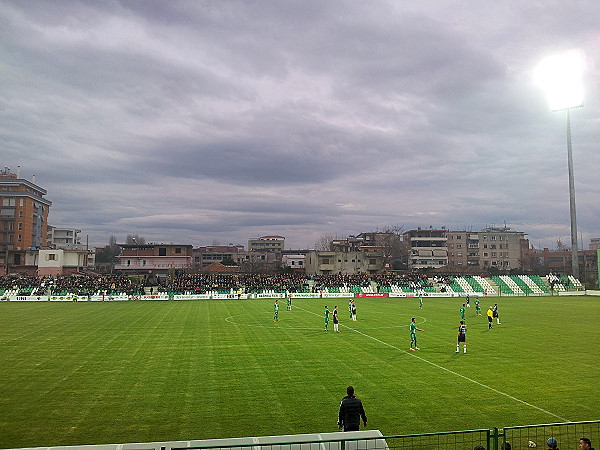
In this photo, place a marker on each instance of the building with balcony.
(210, 254)
(493, 247)
(427, 248)
(23, 217)
(266, 243)
(155, 259)
(334, 263)
(58, 237)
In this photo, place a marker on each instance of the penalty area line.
(523, 402)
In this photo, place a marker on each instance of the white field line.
(450, 371)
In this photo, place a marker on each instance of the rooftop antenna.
(18, 171)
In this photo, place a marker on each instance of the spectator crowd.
(187, 283)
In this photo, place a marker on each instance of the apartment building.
(23, 218)
(23, 213)
(155, 259)
(427, 248)
(266, 243)
(58, 237)
(493, 247)
(334, 263)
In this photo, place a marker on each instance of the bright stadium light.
(561, 77)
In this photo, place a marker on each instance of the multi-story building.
(23, 213)
(545, 261)
(266, 243)
(23, 218)
(155, 259)
(595, 244)
(387, 242)
(475, 251)
(334, 263)
(428, 248)
(210, 254)
(63, 237)
(294, 259)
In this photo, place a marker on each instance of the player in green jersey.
(276, 311)
(326, 313)
(413, 334)
(463, 310)
(289, 303)
(477, 307)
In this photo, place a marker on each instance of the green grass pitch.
(92, 373)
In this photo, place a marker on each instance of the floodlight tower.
(560, 76)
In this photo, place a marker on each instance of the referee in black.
(351, 411)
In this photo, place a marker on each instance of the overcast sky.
(198, 122)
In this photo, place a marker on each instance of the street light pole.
(574, 248)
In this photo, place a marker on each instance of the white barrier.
(352, 440)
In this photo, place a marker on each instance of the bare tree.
(560, 245)
(134, 239)
(324, 243)
(390, 238)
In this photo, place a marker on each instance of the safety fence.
(566, 436)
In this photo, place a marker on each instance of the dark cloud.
(200, 121)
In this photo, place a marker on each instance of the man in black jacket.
(351, 411)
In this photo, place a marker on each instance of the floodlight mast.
(561, 78)
(574, 247)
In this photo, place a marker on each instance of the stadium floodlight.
(561, 77)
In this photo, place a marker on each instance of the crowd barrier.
(566, 434)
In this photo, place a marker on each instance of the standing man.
(413, 335)
(420, 299)
(336, 320)
(462, 337)
(468, 299)
(351, 411)
(495, 313)
(289, 303)
(326, 313)
(477, 307)
(463, 310)
(350, 308)
(490, 319)
(585, 444)
(276, 311)
(353, 310)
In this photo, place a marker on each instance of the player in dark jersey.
(336, 320)
(495, 313)
(462, 337)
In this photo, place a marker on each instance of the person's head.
(506, 446)
(463, 304)
(461, 322)
(413, 320)
(479, 447)
(335, 307)
(350, 391)
(552, 443)
(585, 443)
